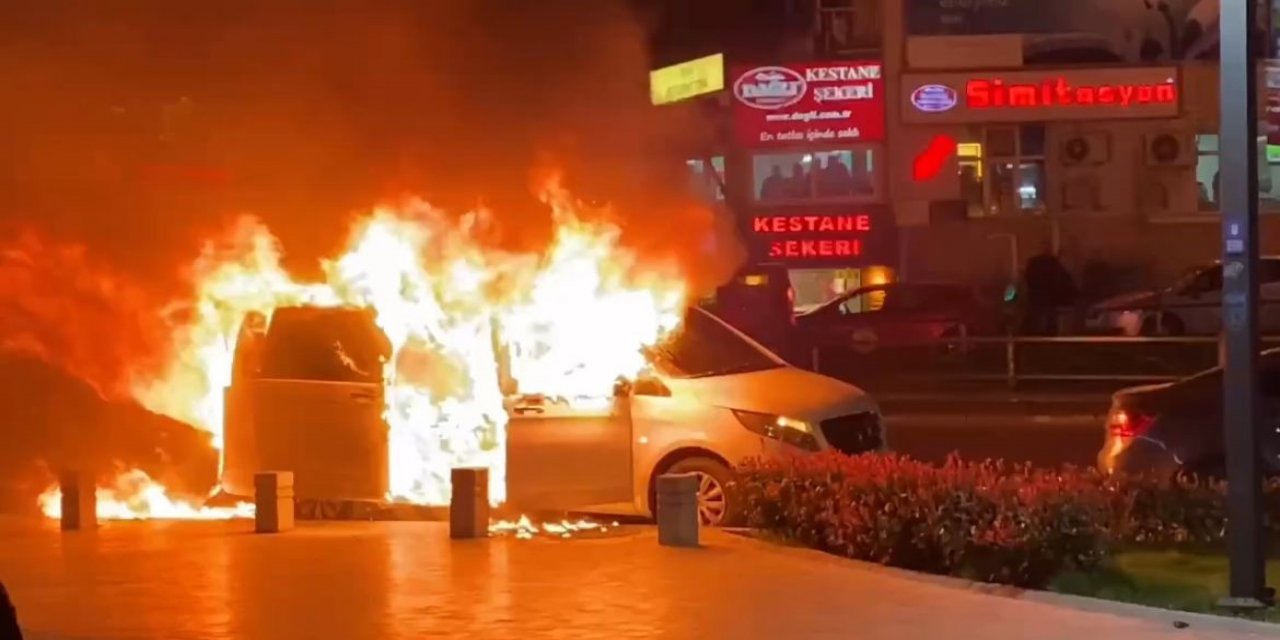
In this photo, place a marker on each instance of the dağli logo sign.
(934, 98)
(770, 88)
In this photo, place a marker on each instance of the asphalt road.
(1041, 441)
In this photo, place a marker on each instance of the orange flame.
(572, 321)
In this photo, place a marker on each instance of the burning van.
(308, 395)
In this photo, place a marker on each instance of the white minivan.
(713, 399)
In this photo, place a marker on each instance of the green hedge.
(985, 521)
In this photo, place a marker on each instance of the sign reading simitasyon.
(1029, 96)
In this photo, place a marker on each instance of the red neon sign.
(930, 162)
(1058, 92)
(813, 236)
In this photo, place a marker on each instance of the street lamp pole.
(1238, 158)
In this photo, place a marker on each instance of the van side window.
(704, 347)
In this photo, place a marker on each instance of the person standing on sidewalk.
(1049, 288)
(9, 629)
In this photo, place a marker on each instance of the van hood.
(786, 391)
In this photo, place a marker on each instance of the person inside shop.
(798, 185)
(861, 183)
(1049, 287)
(774, 186)
(834, 177)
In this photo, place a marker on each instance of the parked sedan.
(900, 314)
(1177, 427)
(1191, 306)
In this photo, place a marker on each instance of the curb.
(1197, 621)
(963, 421)
(994, 399)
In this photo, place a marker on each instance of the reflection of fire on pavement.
(525, 529)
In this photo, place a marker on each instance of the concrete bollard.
(678, 510)
(469, 504)
(273, 501)
(79, 501)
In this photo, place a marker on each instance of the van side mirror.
(644, 385)
(650, 386)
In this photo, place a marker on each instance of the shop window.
(706, 181)
(1208, 167)
(1271, 191)
(1207, 171)
(846, 27)
(815, 287)
(844, 175)
(1002, 170)
(864, 300)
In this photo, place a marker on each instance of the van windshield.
(704, 347)
(330, 345)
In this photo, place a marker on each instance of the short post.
(815, 358)
(79, 501)
(1222, 349)
(678, 510)
(1011, 362)
(273, 501)
(469, 504)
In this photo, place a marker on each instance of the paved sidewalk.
(407, 580)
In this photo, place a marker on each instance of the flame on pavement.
(524, 529)
(570, 321)
(136, 496)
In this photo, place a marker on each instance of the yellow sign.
(686, 80)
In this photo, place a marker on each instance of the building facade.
(956, 139)
(1089, 125)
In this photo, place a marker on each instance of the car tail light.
(1128, 424)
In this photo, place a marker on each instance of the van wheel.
(717, 507)
(1166, 324)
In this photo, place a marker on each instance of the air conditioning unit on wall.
(1170, 149)
(1085, 149)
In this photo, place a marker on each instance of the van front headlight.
(797, 433)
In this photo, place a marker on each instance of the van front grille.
(853, 434)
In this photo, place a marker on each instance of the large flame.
(569, 321)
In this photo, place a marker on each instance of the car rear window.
(331, 345)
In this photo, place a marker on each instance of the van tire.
(715, 480)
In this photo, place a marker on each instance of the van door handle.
(362, 397)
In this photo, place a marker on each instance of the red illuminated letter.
(978, 93)
(760, 224)
(864, 223)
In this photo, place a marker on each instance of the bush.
(1148, 511)
(985, 521)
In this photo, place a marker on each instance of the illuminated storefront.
(1051, 141)
(812, 172)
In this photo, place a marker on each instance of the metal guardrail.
(1014, 348)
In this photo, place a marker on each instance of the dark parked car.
(1176, 428)
(899, 314)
